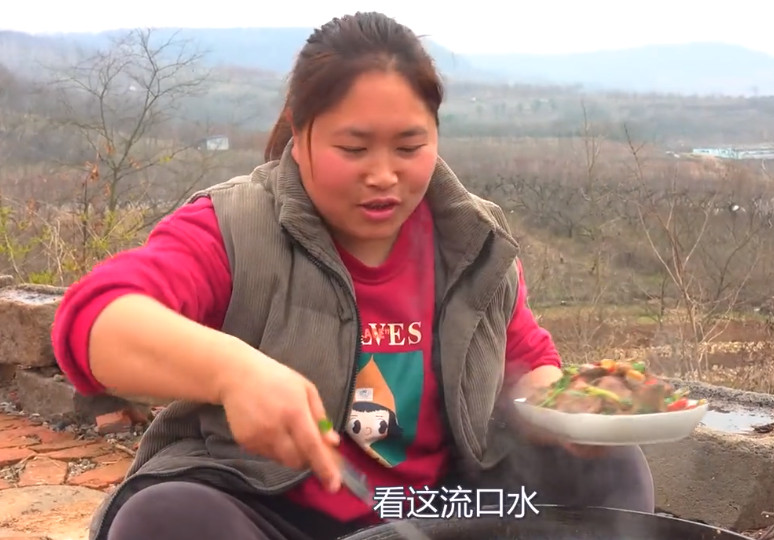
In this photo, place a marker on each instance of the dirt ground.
(51, 480)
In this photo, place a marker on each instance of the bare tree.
(12, 119)
(124, 103)
(707, 250)
(589, 210)
(120, 113)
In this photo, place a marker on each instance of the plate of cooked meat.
(612, 403)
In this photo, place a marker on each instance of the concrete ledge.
(716, 476)
(722, 394)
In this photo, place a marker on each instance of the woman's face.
(368, 162)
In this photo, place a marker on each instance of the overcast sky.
(526, 26)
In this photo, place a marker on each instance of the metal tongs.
(351, 477)
(355, 480)
(357, 483)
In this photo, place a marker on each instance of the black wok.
(558, 523)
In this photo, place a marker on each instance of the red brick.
(102, 476)
(11, 456)
(114, 422)
(51, 436)
(60, 445)
(13, 422)
(29, 434)
(80, 452)
(24, 430)
(43, 471)
(113, 457)
(17, 442)
(27, 431)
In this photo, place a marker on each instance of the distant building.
(213, 143)
(737, 152)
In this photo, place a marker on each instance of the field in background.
(631, 247)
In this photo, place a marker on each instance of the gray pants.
(178, 510)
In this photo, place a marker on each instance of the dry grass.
(741, 357)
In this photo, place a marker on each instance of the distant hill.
(272, 49)
(27, 55)
(700, 68)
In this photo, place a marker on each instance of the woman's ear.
(295, 135)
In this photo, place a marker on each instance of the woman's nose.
(382, 176)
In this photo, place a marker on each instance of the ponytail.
(280, 135)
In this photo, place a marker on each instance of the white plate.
(614, 430)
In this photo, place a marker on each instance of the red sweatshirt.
(395, 430)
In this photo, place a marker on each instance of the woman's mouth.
(379, 210)
(379, 205)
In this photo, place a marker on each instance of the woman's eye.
(351, 149)
(410, 149)
(355, 150)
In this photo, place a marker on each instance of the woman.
(351, 277)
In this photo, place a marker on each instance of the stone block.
(7, 374)
(46, 392)
(26, 315)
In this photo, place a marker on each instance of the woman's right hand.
(275, 412)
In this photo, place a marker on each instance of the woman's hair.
(336, 54)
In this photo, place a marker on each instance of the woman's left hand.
(585, 451)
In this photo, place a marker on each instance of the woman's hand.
(531, 382)
(275, 412)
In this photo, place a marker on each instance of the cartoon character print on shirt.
(373, 417)
(385, 411)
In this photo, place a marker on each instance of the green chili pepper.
(325, 425)
(571, 370)
(683, 392)
(557, 388)
(593, 390)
